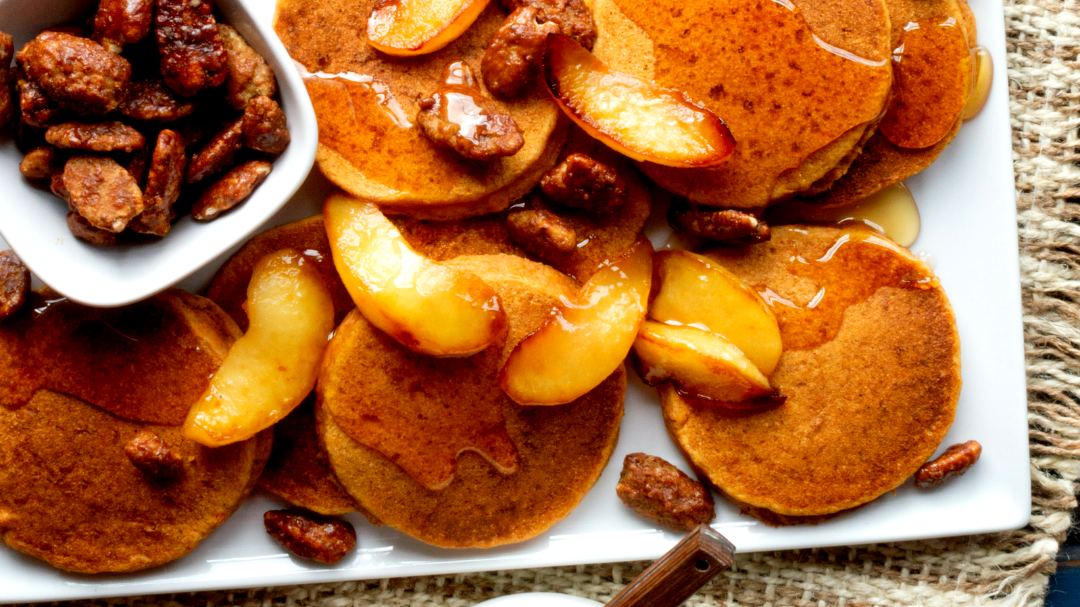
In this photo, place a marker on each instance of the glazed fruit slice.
(631, 116)
(418, 27)
(700, 363)
(427, 307)
(695, 290)
(584, 340)
(272, 368)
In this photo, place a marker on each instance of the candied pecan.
(218, 153)
(77, 73)
(108, 136)
(14, 284)
(157, 462)
(35, 106)
(230, 190)
(728, 225)
(82, 230)
(541, 233)
(314, 537)
(139, 165)
(41, 163)
(102, 191)
(572, 17)
(457, 116)
(264, 126)
(56, 185)
(162, 185)
(583, 183)
(7, 101)
(193, 57)
(121, 22)
(662, 493)
(511, 63)
(954, 462)
(151, 100)
(249, 74)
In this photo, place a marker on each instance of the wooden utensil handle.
(677, 575)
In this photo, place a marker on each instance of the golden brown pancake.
(70, 496)
(369, 144)
(560, 451)
(883, 163)
(297, 471)
(870, 368)
(167, 346)
(797, 84)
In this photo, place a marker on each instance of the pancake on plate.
(433, 447)
(70, 492)
(798, 84)
(870, 369)
(935, 105)
(367, 104)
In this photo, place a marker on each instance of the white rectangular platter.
(969, 228)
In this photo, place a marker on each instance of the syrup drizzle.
(982, 80)
(839, 52)
(383, 96)
(891, 211)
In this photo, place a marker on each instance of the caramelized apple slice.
(633, 117)
(427, 307)
(700, 363)
(273, 367)
(696, 290)
(584, 340)
(418, 27)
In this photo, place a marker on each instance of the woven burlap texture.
(999, 569)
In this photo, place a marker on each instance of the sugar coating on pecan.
(265, 128)
(511, 63)
(954, 462)
(81, 229)
(583, 183)
(250, 76)
(121, 22)
(162, 185)
(152, 101)
(36, 109)
(77, 73)
(102, 191)
(218, 153)
(193, 56)
(107, 136)
(541, 233)
(14, 284)
(230, 190)
(662, 493)
(41, 163)
(727, 225)
(572, 16)
(158, 463)
(314, 537)
(458, 116)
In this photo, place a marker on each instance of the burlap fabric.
(1000, 569)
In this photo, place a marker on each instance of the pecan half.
(249, 74)
(265, 128)
(41, 163)
(77, 73)
(162, 185)
(511, 63)
(312, 537)
(728, 225)
(954, 462)
(81, 229)
(14, 284)
(218, 153)
(36, 109)
(193, 56)
(541, 233)
(230, 190)
(151, 100)
(583, 183)
(158, 463)
(572, 17)
(662, 493)
(108, 136)
(121, 22)
(102, 191)
(459, 117)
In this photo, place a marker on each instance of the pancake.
(883, 163)
(70, 496)
(557, 454)
(297, 471)
(793, 118)
(369, 144)
(166, 346)
(870, 368)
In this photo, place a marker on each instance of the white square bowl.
(33, 221)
